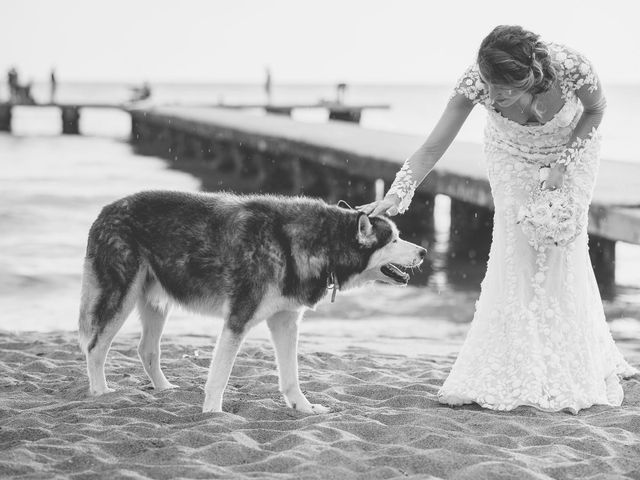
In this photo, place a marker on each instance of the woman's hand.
(387, 206)
(555, 178)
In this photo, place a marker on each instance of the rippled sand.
(384, 422)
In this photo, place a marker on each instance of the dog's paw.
(102, 391)
(317, 408)
(314, 408)
(211, 408)
(166, 386)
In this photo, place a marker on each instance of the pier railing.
(341, 161)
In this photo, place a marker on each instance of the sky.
(327, 41)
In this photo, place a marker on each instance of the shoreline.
(414, 320)
(385, 421)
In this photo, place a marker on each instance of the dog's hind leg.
(224, 355)
(284, 334)
(97, 355)
(153, 319)
(102, 314)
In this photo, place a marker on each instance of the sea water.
(52, 187)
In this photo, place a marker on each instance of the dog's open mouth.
(394, 273)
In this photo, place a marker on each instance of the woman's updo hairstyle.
(511, 55)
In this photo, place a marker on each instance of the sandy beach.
(385, 421)
(98, 103)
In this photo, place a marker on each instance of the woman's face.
(503, 95)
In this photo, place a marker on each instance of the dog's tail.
(112, 277)
(90, 292)
(106, 304)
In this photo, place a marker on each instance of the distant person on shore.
(12, 82)
(26, 95)
(19, 94)
(53, 84)
(141, 93)
(539, 335)
(341, 89)
(267, 84)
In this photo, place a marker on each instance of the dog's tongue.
(393, 272)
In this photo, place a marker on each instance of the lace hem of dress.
(612, 396)
(404, 186)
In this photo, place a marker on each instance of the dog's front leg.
(284, 334)
(224, 355)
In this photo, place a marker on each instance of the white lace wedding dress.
(539, 335)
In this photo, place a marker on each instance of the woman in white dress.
(539, 335)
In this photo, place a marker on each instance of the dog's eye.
(395, 241)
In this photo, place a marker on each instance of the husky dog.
(249, 258)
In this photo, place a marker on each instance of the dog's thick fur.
(250, 258)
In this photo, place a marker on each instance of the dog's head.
(386, 254)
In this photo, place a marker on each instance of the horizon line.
(287, 83)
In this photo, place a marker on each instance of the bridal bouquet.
(551, 218)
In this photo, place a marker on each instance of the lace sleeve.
(471, 86)
(574, 69)
(572, 154)
(404, 186)
(578, 76)
(417, 166)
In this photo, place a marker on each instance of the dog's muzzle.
(395, 273)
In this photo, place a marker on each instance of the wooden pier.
(70, 112)
(340, 161)
(337, 110)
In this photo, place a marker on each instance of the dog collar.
(332, 284)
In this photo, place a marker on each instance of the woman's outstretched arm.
(422, 161)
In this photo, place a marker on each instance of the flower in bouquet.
(550, 218)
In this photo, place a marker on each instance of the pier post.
(335, 185)
(180, 147)
(70, 120)
(345, 115)
(296, 175)
(278, 110)
(163, 142)
(137, 130)
(217, 156)
(223, 157)
(197, 147)
(470, 232)
(359, 190)
(603, 259)
(418, 222)
(237, 158)
(5, 117)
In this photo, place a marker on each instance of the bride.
(539, 335)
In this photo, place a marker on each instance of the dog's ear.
(364, 229)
